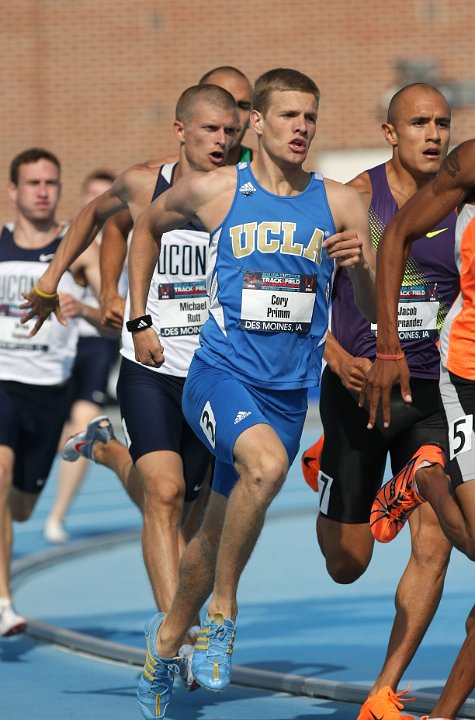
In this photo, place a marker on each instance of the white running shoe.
(81, 444)
(185, 654)
(10, 622)
(54, 532)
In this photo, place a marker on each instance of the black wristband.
(140, 323)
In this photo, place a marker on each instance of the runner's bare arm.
(171, 210)
(113, 252)
(453, 184)
(351, 246)
(80, 235)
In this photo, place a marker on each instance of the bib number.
(208, 424)
(277, 302)
(460, 435)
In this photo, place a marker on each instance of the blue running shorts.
(95, 357)
(31, 422)
(219, 408)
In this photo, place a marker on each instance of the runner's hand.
(345, 248)
(113, 311)
(40, 308)
(353, 372)
(148, 349)
(381, 377)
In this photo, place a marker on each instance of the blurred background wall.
(96, 81)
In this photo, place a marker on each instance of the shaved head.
(229, 70)
(210, 94)
(406, 95)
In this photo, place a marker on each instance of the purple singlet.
(430, 285)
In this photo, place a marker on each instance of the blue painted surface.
(293, 618)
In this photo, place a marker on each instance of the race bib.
(277, 302)
(418, 309)
(15, 336)
(183, 308)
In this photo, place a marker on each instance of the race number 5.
(208, 424)
(460, 435)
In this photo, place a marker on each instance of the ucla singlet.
(269, 283)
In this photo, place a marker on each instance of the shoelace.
(396, 698)
(221, 634)
(401, 507)
(171, 669)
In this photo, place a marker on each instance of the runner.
(353, 460)
(33, 371)
(246, 392)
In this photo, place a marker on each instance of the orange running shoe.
(385, 705)
(397, 499)
(311, 463)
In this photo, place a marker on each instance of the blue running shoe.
(81, 444)
(155, 686)
(211, 663)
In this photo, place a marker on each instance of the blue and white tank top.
(46, 358)
(177, 301)
(269, 282)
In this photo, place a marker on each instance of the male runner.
(167, 464)
(423, 478)
(88, 388)
(236, 83)
(275, 233)
(353, 459)
(117, 229)
(33, 371)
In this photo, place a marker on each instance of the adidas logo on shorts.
(240, 416)
(247, 189)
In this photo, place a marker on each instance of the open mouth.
(217, 156)
(298, 145)
(432, 153)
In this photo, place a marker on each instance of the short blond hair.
(281, 79)
(211, 94)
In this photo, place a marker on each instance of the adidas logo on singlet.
(247, 189)
(240, 416)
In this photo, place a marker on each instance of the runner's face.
(37, 193)
(422, 132)
(241, 90)
(208, 135)
(288, 126)
(94, 188)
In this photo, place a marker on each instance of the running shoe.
(211, 663)
(10, 622)
(385, 705)
(397, 499)
(81, 444)
(311, 463)
(155, 686)
(185, 654)
(54, 531)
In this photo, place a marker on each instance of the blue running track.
(297, 630)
